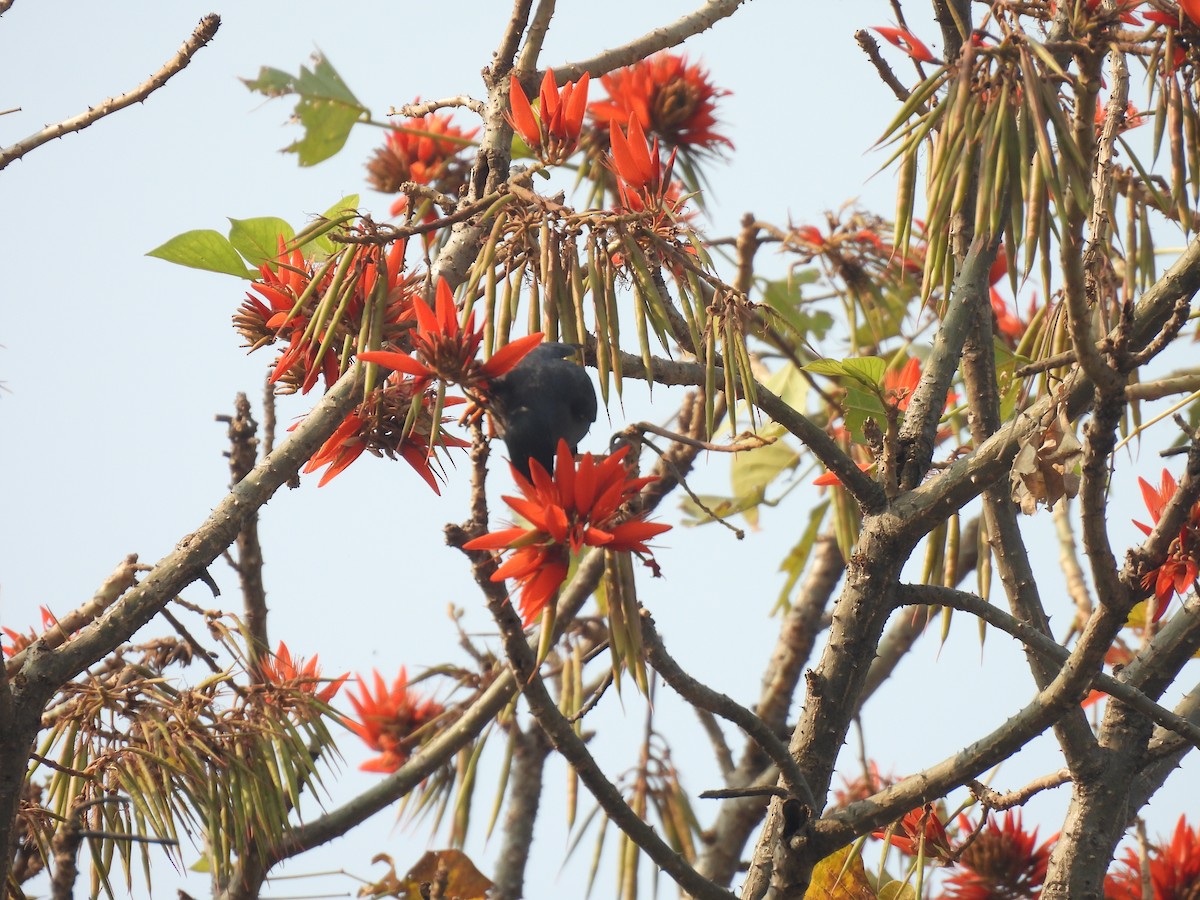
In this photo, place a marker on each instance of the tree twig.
(661, 38)
(701, 696)
(204, 33)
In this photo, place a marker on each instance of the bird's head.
(555, 350)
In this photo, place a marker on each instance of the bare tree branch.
(651, 42)
(204, 33)
(703, 697)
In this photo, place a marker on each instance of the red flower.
(389, 720)
(1156, 498)
(582, 505)
(285, 317)
(1008, 325)
(869, 782)
(1004, 861)
(919, 830)
(424, 150)
(21, 641)
(900, 384)
(1178, 571)
(667, 97)
(381, 424)
(999, 267)
(1174, 869)
(553, 131)
(828, 479)
(282, 670)
(447, 350)
(643, 182)
(1131, 119)
(906, 41)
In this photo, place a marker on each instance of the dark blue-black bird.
(543, 399)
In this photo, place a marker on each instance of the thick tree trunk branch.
(524, 797)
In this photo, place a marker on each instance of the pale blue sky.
(116, 362)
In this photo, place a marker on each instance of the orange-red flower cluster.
(426, 150)
(282, 670)
(1178, 571)
(552, 132)
(383, 424)
(448, 351)
(390, 719)
(643, 182)
(20, 641)
(1190, 9)
(667, 97)
(1009, 325)
(1004, 860)
(869, 782)
(906, 41)
(582, 505)
(1174, 869)
(920, 831)
(829, 479)
(1131, 119)
(899, 385)
(292, 300)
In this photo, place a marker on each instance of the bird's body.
(543, 399)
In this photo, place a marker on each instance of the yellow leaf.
(462, 879)
(840, 876)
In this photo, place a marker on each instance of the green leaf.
(785, 299)
(867, 370)
(258, 239)
(826, 367)
(897, 890)
(271, 82)
(347, 204)
(204, 249)
(860, 405)
(321, 245)
(327, 108)
(790, 386)
(793, 564)
(752, 471)
(326, 128)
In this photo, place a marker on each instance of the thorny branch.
(204, 33)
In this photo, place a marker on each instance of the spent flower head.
(426, 150)
(282, 670)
